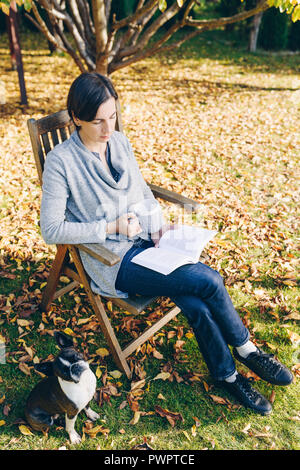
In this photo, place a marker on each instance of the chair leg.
(99, 310)
(110, 336)
(53, 279)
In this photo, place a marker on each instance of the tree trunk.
(98, 7)
(102, 65)
(15, 49)
(254, 31)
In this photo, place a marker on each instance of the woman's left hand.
(155, 237)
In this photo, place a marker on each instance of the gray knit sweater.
(80, 197)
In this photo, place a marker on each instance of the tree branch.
(89, 29)
(86, 6)
(78, 14)
(73, 7)
(142, 54)
(132, 19)
(152, 29)
(41, 25)
(134, 30)
(107, 9)
(80, 43)
(175, 44)
(215, 23)
(71, 51)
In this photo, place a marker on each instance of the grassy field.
(214, 123)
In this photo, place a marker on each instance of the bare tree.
(96, 40)
(254, 30)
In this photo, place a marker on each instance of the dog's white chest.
(82, 392)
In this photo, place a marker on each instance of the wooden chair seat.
(135, 305)
(45, 133)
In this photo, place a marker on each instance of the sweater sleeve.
(55, 228)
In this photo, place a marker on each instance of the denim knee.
(215, 283)
(194, 309)
(197, 317)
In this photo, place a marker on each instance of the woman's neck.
(98, 147)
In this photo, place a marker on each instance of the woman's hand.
(127, 224)
(155, 237)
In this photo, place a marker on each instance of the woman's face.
(100, 129)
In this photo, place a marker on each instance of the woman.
(91, 188)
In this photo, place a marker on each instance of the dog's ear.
(63, 340)
(45, 368)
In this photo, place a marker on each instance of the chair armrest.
(167, 195)
(101, 253)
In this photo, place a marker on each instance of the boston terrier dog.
(68, 388)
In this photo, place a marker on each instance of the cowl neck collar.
(120, 164)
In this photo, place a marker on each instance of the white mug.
(149, 214)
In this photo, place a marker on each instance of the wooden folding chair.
(45, 133)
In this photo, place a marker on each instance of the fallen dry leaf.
(25, 430)
(102, 352)
(143, 446)
(137, 385)
(116, 374)
(92, 432)
(157, 354)
(24, 368)
(162, 376)
(220, 400)
(136, 417)
(169, 415)
(272, 397)
(160, 396)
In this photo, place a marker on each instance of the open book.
(177, 247)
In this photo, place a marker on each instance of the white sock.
(246, 349)
(232, 377)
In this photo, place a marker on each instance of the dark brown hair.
(88, 91)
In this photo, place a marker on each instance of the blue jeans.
(199, 292)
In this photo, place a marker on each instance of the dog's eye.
(79, 357)
(75, 358)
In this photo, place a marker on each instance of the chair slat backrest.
(47, 132)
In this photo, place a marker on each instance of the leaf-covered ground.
(220, 126)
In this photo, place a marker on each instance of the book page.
(187, 240)
(160, 260)
(177, 247)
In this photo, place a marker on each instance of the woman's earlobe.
(74, 119)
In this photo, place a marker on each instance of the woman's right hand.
(127, 224)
